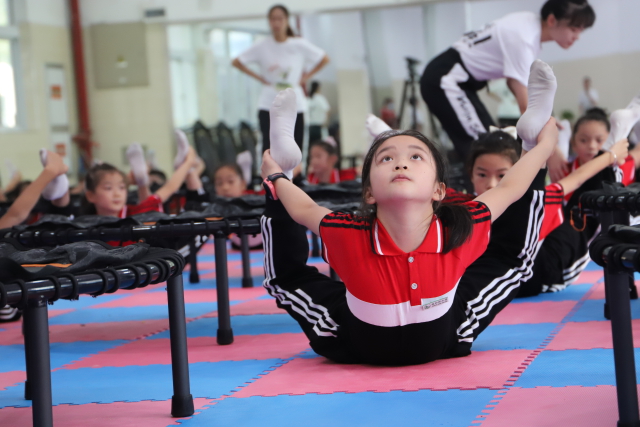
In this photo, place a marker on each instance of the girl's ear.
(91, 196)
(440, 192)
(368, 197)
(552, 21)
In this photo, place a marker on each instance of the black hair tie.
(105, 282)
(3, 295)
(115, 277)
(135, 272)
(74, 285)
(227, 226)
(162, 273)
(179, 262)
(56, 289)
(147, 270)
(24, 294)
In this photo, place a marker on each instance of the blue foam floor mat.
(571, 367)
(242, 325)
(395, 408)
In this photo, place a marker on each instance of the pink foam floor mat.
(588, 335)
(534, 312)
(118, 414)
(190, 296)
(201, 349)
(483, 369)
(554, 406)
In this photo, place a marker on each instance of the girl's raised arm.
(539, 135)
(618, 154)
(518, 179)
(298, 204)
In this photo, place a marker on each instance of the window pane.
(8, 107)
(217, 41)
(238, 42)
(4, 12)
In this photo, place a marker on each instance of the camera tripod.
(410, 87)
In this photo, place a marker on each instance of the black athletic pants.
(298, 132)
(450, 93)
(319, 304)
(492, 281)
(315, 301)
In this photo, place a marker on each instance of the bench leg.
(37, 344)
(623, 353)
(225, 333)
(247, 280)
(182, 401)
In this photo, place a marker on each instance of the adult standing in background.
(504, 48)
(588, 98)
(282, 59)
(318, 114)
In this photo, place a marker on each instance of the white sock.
(245, 162)
(622, 121)
(564, 137)
(135, 154)
(183, 148)
(376, 126)
(635, 102)
(284, 149)
(542, 90)
(634, 138)
(58, 186)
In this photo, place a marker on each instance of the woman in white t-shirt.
(283, 59)
(504, 48)
(318, 113)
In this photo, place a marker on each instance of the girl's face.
(110, 195)
(403, 169)
(488, 170)
(321, 161)
(278, 22)
(228, 183)
(562, 33)
(588, 140)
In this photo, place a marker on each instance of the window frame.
(11, 32)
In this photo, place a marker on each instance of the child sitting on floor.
(403, 256)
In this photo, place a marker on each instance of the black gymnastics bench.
(32, 278)
(163, 233)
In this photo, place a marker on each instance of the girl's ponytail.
(457, 224)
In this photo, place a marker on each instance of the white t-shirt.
(318, 109)
(504, 48)
(282, 65)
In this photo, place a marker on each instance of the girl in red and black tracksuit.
(404, 299)
(490, 158)
(564, 253)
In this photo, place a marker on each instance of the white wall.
(43, 27)
(112, 11)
